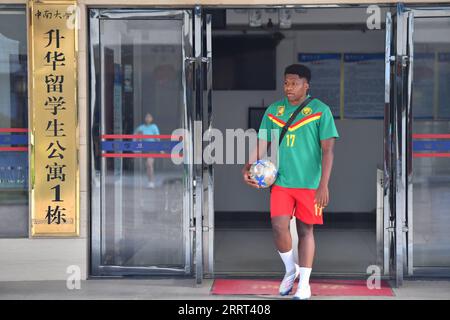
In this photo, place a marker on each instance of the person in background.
(149, 128)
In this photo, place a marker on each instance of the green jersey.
(300, 152)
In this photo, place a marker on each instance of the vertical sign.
(54, 177)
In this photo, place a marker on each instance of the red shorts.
(295, 201)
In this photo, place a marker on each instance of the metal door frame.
(96, 129)
(401, 61)
(203, 169)
(388, 137)
(398, 75)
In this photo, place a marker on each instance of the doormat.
(319, 287)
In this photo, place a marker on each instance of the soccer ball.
(264, 173)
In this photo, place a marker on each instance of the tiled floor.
(178, 289)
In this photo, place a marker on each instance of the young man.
(304, 168)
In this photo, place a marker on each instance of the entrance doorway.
(142, 202)
(155, 217)
(348, 73)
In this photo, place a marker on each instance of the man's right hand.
(246, 175)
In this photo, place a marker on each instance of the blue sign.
(308, 57)
(155, 146)
(430, 145)
(17, 139)
(14, 170)
(357, 57)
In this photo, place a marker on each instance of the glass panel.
(142, 189)
(13, 124)
(431, 143)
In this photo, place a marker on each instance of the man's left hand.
(322, 196)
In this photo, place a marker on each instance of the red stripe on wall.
(13, 130)
(140, 155)
(431, 136)
(14, 149)
(140, 136)
(431, 155)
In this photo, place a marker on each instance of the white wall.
(358, 152)
(42, 259)
(30, 259)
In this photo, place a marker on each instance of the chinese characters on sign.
(54, 159)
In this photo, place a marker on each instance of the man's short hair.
(300, 70)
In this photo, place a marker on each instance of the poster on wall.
(325, 79)
(54, 124)
(364, 85)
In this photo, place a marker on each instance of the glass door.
(142, 198)
(418, 141)
(428, 135)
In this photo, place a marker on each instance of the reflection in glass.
(13, 124)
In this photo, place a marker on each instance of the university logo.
(280, 111)
(306, 111)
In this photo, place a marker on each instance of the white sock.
(288, 259)
(304, 277)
